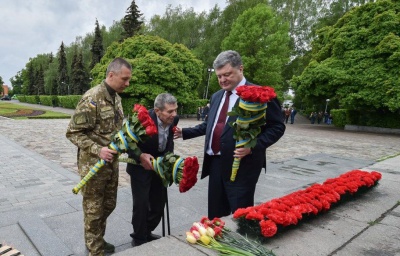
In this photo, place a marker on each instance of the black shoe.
(152, 237)
(108, 248)
(138, 242)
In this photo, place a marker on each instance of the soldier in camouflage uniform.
(97, 116)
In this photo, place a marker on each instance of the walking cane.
(163, 216)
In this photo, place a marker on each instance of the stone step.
(44, 239)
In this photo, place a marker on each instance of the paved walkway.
(40, 216)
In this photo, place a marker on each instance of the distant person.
(97, 117)
(198, 113)
(206, 111)
(292, 115)
(319, 117)
(313, 117)
(287, 114)
(330, 119)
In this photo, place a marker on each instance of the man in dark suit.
(148, 192)
(224, 196)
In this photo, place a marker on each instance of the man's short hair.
(117, 64)
(227, 57)
(162, 99)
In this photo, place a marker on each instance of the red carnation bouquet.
(138, 127)
(250, 117)
(267, 218)
(172, 168)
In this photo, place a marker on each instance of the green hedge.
(32, 99)
(341, 117)
(70, 101)
(49, 100)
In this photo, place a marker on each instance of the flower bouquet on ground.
(266, 219)
(250, 117)
(213, 235)
(138, 127)
(172, 168)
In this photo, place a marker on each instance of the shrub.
(70, 101)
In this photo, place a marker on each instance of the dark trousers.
(224, 196)
(148, 196)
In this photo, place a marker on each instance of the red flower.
(268, 228)
(241, 212)
(253, 215)
(218, 222)
(188, 177)
(151, 130)
(254, 93)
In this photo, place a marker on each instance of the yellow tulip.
(205, 239)
(190, 238)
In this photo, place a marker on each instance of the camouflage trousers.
(99, 201)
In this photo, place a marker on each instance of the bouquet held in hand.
(138, 127)
(172, 168)
(250, 117)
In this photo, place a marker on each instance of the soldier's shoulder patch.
(92, 104)
(80, 118)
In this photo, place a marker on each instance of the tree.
(131, 22)
(80, 79)
(158, 66)
(97, 46)
(178, 26)
(356, 62)
(262, 39)
(16, 83)
(62, 71)
(1, 84)
(40, 81)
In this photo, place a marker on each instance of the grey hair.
(116, 65)
(227, 57)
(162, 99)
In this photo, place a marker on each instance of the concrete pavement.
(39, 215)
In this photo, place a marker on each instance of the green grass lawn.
(16, 111)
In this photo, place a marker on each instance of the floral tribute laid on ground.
(138, 127)
(250, 117)
(268, 218)
(214, 235)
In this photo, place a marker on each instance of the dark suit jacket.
(251, 165)
(150, 146)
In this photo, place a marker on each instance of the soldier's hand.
(145, 161)
(107, 154)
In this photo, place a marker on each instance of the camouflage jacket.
(95, 120)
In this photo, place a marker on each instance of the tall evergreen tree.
(40, 81)
(31, 80)
(52, 88)
(73, 79)
(62, 71)
(131, 22)
(80, 78)
(97, 46)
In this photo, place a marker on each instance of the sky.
(32, 27)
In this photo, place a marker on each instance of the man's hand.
(241, 152)
(107, 154)
(177, 132)
(145, 161)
